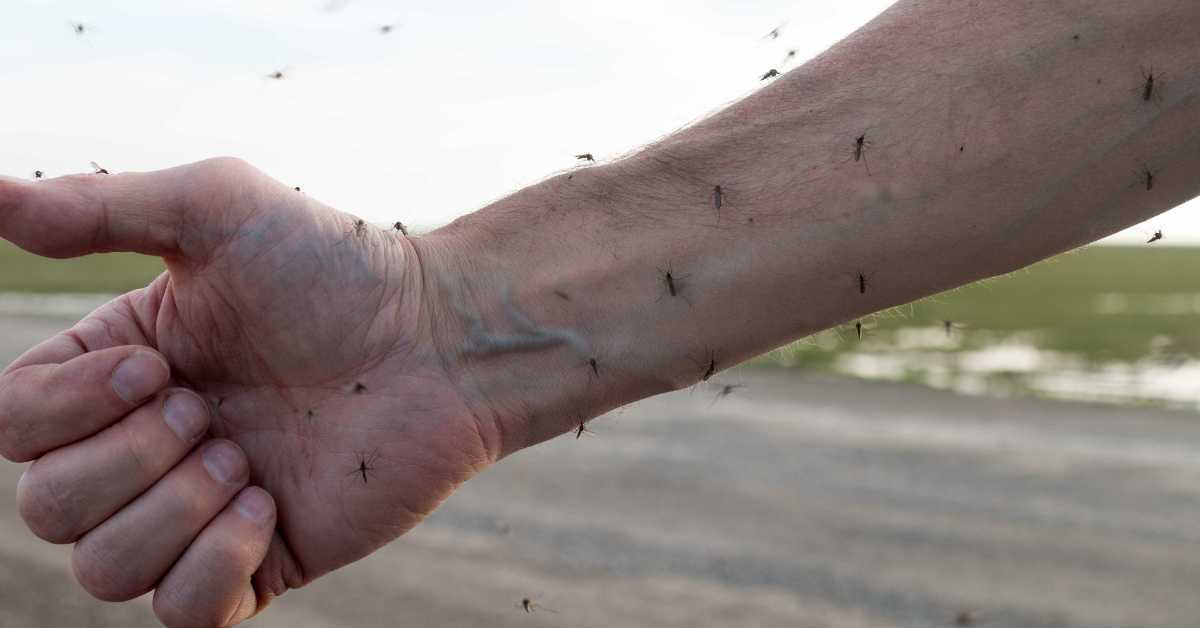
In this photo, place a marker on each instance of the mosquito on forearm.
(98, 169)
(708, 362)
(860, 150)
(1146, 176)
(674, 283)
(772, 73)
(1151, 87)
(400, 228)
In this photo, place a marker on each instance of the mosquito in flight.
(774, 32)
(529, 605)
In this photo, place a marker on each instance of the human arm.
(996, 134)
(276, 307)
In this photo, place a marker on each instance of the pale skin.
(298, 389)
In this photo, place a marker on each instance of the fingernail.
(139, 376)
(223, 461)
(186, 415)
(254, 504)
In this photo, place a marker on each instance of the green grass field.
(111, 273)
(1117, 324)
(1124, 319)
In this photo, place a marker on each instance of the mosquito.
(37, 174)
(366, 464)
(718, 197)
(674, 282)
(862, 283)
(861, 329)
(360, 229)
(79, 27)
(277, 75)
(585, 157)
(529, 605)
(1147, 176)
(399, 226)
(595, 366)
(297, 188)
(386, 28)
(712, 367)
(774, 32)
(582, 429)
(860, 150)
(708, 363)
(359, 388)
(949, 326)
(769, 74)
(725, 390)
(97, 168)
(1156, 237)
(1148, 87)
(791, 54)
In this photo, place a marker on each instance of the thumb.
(155, 213)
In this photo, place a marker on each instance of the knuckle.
(40, 502)
(139, 452)
(101, 574)
(226, 166)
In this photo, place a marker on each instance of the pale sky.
(463, 102)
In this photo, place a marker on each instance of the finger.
(73, 489)
(123, 557)
(146, 212)
(210, 584)
(45, 406)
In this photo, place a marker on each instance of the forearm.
(993, 138)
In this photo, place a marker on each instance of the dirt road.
(797, 501)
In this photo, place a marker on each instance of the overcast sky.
(461, 103)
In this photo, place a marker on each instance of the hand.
(309, 342)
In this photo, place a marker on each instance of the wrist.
(537, 325)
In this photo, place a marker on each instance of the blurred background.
(1019, 452)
